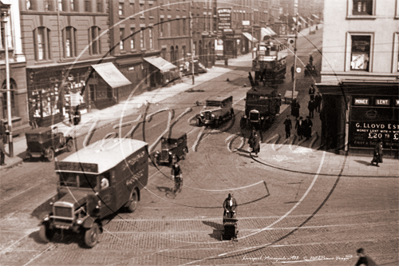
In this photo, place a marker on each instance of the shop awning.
(110, 74)
(303, 20)
(249, 37)
(160, 63)
(299, 23)
(266, 32)
(316, 17)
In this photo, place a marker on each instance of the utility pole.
(192, 43)
(5, 16)
(296, 37)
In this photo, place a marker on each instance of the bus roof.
(219, 98)
(260, 90)
(100, 156)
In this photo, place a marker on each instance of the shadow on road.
(217, 229)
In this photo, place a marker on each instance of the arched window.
(69, 41)
(41, 36)
(172, 54)
(94, 41)
(177, 56)
(13, 87)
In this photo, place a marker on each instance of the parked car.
(94, 183)
(46, 142)
(217, 109)
(173, 148)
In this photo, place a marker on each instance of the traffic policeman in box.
(230, 206)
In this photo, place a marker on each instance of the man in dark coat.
(363, 259)
(317, 101)
(299, 127)
(312, 91)
(292, 72)
(229, 206)
(254, 143)
(3, 139)
(311, 106)
(377, 156)
(307, 126)
(295, 109)
(288, 126)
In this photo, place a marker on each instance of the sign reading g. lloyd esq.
(366, 134)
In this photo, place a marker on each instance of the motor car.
(173, 148)
(45, 142)
(93, 183)
(217, 109)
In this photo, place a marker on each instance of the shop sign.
(224, 18)
(361, 101)
(366, 134)
(382, 102)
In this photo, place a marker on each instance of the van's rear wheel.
(133, 201)
(91, 236)
(45, 233)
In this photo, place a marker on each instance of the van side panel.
(131, 173)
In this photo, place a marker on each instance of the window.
(29, 5)
(5, 106)
(362, 7)
(87, 5)
(360, 53)
(121, 36)
(59, 5)
(150, 37)
(120, 12)
(100, 6)
(184, 51)
(41, 43)
(142, 11)
(94, 41)
(184, 27)
(132, 44)
(73, 6)
(169, 31)
(161, 27)
(142, 41)
(69, 40)
(48, 5)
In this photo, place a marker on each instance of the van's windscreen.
(77, 180)
(213, 103)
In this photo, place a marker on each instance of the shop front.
(163, 71)
(247, 42)
(369, 112)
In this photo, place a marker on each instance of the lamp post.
(296, 37)
(4, 9)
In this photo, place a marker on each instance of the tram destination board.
(77, 167)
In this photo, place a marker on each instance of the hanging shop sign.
(224, 18)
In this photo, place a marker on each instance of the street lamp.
(4, 15)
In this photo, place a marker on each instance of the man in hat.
(299, 127)
(177, 176)
(363, 259)
(377, 156)
(288, 126)
(229, 206)
(307, 128)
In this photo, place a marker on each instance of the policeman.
(229, 206)
(177, 176)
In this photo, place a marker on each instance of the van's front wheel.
(133, 201)
(45, 233)
(91, 236)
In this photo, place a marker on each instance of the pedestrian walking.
(311, 107)
(295, 106)
(292, 72)
(318, 100)
(307, 128)
(312, 91)
(299, 127)
(363, 259)
(377, 156)
(288, 126)
(311, 60)
(254, 143)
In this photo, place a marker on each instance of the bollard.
(226, 61)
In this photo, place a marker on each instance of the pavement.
(276, 152)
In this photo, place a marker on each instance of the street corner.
(11, 162)
(289, 156)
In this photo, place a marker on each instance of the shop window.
(48, 5)
(42, 43)
(121, 37)
(4, 100)
(362, 7)
(69, 40)
(132, 43)
(360, 53)
(120, 10)
(100, 8)
(142, 41)
(94, 40)
(87, 5)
